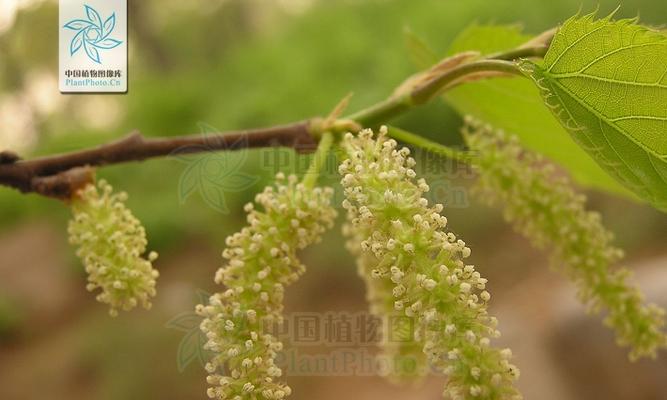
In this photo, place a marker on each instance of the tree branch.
(51, 176)
(438, 80)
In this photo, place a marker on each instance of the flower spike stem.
(426, 144)
(319, 160)
(422, 94)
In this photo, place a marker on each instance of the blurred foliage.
(10, 317)
(114, 359)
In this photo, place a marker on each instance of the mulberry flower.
(261, 262)
(401, 344)
(543, 207)
(111, 242)
(410, 249)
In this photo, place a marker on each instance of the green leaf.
(488, 39)
(606, 81)
(515, 105)
(421, 55)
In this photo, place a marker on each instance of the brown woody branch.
(61, 175)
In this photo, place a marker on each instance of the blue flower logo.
(213, 172)
(92, 34)
(191, 346)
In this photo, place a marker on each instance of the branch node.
(63, 185)
(8, 157)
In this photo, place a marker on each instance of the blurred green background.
(249, 63)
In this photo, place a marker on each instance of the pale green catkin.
(412, 251)
(544, 208)
(261, 261)
(111, 242)
(401, 345)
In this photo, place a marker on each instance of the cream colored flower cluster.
(261, 261)
(411, 250)
(401, 346)
(111, 242)
(543, 207)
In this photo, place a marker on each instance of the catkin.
(425, 264)
(401, 344)
(544, 208)
(111, 242)
(261, 260)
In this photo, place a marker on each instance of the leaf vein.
(618, 50)
(638, 117)
(571, 45)
(574, 75)
(597, 113)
